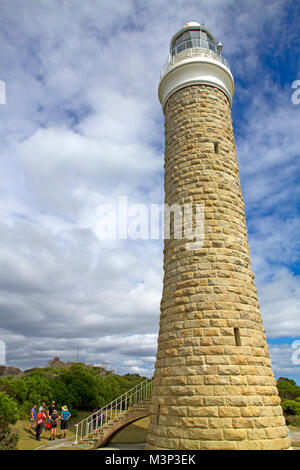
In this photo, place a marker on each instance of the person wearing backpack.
(54, 418)
(49, 412)
(41, 418)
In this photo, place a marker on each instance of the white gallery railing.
(190, 52)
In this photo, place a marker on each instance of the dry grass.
(294, 428)
(134, 433)
(27, 439)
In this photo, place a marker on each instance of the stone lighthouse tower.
(213, 386)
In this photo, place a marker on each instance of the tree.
(288, 389)
(81, 384)
(291, 407)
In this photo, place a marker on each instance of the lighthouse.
(214, 387)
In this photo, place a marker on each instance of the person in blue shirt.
(32, 417)
(65, 416)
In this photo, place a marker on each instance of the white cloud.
(280, 298)
(282, 361)
(83, 125)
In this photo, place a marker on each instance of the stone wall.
(214, 387)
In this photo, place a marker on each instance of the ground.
(133, 437)
(134, 433)
(27, 439)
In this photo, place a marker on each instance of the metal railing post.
(76, 437)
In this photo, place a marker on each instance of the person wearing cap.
(65, 416)
(54, 418)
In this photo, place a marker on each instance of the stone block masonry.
(213, 386)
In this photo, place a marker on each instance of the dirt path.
(68, 443)
(295, 436)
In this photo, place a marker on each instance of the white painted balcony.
(190, 49)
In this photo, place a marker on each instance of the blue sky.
(83, 125)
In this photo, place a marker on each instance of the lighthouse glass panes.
(193, 39)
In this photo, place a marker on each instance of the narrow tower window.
(216, 144)
(237, 336)
(158, 415)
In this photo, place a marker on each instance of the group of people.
(52, 417)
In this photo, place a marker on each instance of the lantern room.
(194, 36)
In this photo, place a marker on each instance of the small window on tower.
(237, 337)
(216, 144)
(158, 415)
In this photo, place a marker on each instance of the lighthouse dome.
(192, 36)
(192, 23)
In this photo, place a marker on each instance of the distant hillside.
(56, 363)
(5, 371)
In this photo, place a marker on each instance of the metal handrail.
(99, 418)
(186, 51)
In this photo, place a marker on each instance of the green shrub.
(74, 412)
(78, 386)
(291, 407)
(8, 415)
(293, 420)
(288, 389)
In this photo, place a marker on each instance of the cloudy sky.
(82, 125)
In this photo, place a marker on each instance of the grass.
(27, 440)
(134, 433)
(294, 428)
(294, 421)
(69, 448)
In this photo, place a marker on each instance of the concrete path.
(121, 446)
(59, 443)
